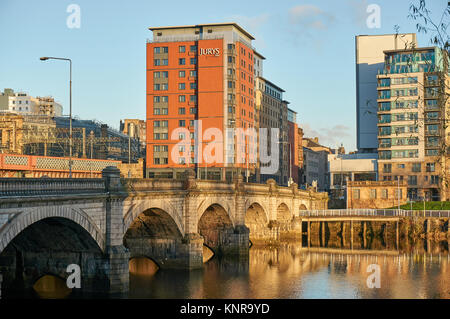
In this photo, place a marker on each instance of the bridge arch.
(215, 226)
(284, 214)
(216, 201)
(155, 235)
(30, 216)
(141, 206)
(47, 247)
(257, 220)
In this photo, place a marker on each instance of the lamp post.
(45, 58)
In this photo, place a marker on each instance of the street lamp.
(45, 58)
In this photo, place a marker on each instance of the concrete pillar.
(323, 233)
(117, 255)
(364, 224)
(343, 233)
(309, 233)
(396, 234)
(351, 234)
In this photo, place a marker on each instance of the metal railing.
(375, 213)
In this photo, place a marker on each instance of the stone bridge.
(100, 224)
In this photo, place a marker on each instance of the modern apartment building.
(369, 60)
(411, 117)
(200, 90)
(272, 113)
(22, 103)
(293, 140)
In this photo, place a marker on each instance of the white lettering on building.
(209, 51)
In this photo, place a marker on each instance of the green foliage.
(428, 206)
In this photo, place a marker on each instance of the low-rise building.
(376, 194)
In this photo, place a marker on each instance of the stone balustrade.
(49, 186)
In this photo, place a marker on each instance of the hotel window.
(181, 86)
(181, 98)
(156, 111)
(193, 73)
(430, 167)
(193, 48)
(156, 99)
(156, 50)
(373, 193)
(164, 148)
(164, 111)
(387, 168)
(165, 160)
(181, 136)
(164, 86)
(434, 179)
(181, 161)
(191, 123)
(181, 61)
(193, 98)
(398, 194)
(156, 123)
(181, 123)
(156, 161)
(431, 152)
(356, 194)
(164, 98)
(193, 86)
(412, 180)
(181, 74)
(164, 123)
(193, 110)
(384, 194)
(165, 62)
(164, 136)
(156, 148)
(165, 74)
(193, 61)
(156, 136)
(192, 135)
(181, 110)
(181, 148)
(156, 62)
(165, 50)
(156, 87)
(416, 167)
(156, 75)
(181, 49)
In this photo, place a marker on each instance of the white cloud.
(309, 17)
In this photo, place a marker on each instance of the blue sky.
(309, 46)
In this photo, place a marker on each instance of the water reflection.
(51, 287)
(292, 271)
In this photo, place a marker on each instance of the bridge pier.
(117, 255)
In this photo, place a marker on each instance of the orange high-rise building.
(200, 82)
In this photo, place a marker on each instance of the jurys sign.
(209, 51)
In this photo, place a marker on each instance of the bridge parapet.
(49, 186)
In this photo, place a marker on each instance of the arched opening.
(283, 213)
(256, 221)
(36, 260)
(303, 207)
(215, 226)
(155, 235)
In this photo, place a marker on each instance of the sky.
(309, 48)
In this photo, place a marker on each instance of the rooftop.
(237, 26)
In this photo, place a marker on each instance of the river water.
(290, 271)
